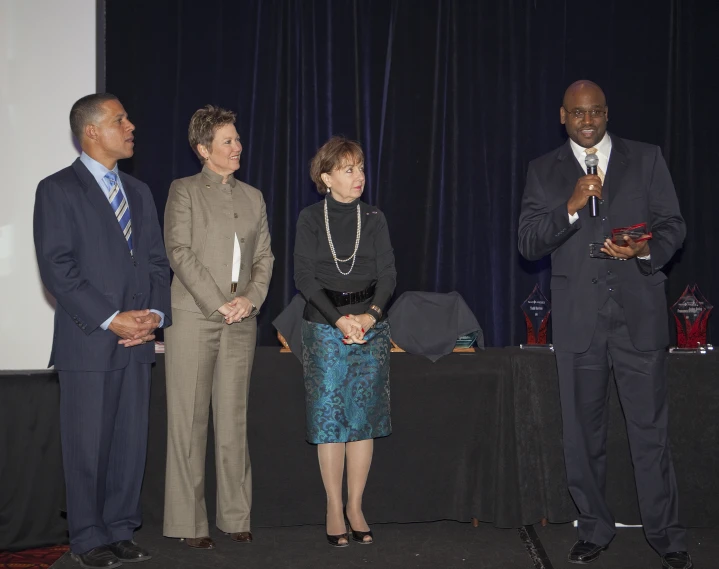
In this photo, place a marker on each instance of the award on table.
(691, 313)
(536, 315)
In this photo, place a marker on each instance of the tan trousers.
(207, 361)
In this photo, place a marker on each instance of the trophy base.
(703, 349)
(537, 347)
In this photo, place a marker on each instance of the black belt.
(345, 298)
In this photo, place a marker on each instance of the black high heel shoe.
(334, 540)
(359, 536)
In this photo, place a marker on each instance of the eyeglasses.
(579, 113)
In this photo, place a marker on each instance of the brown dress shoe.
(241, 537)
(200, 542)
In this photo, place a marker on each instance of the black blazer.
(637, 188)
(86, 265)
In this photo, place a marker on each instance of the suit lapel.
(569, 167)
(618, 163)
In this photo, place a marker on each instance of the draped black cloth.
(429, 323)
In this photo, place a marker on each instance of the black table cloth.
(475, 435)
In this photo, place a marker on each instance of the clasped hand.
(236, 310)
(354, 327)
(135, 327)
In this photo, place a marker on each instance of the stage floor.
(445, 545)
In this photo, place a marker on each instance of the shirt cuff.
(161, 315)
(573, 218)
(106, 324)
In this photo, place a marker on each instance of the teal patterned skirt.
(346, 387)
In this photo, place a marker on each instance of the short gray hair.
(204, 124)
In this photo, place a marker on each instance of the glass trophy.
(465, 342)
(536, 315)
(691, 313)
(637, 233)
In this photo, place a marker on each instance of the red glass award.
(691, 313)
(637, 233)
(536, 315)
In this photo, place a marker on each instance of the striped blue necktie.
(119, 206)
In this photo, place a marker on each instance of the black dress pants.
(642, 386)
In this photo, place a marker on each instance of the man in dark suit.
(608, 313)
(100, 253)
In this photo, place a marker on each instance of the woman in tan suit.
(218, 243)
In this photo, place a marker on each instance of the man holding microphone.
(609, 312)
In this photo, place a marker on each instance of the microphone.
(591, 162)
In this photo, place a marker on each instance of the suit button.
(605, 218)
(611, 289)
(242, 240)
(609, 272)
(236, 216)
(594, 281)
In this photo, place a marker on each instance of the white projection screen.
(47, 62)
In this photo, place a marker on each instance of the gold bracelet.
(377, 309)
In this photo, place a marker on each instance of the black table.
(475, 435)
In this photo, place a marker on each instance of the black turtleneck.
(315, 269)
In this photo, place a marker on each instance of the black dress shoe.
(584, 552)
(677, 560)
(98, 557)
(128, 551)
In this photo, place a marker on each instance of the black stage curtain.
(491, 448)
(450, 99)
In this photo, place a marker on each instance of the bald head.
(584, 85)
(584, 113)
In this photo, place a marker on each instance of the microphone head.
(591, 160)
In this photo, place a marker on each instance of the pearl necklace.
(352, 257)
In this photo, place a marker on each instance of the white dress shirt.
(236, 261)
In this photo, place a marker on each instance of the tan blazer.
(202, 217)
